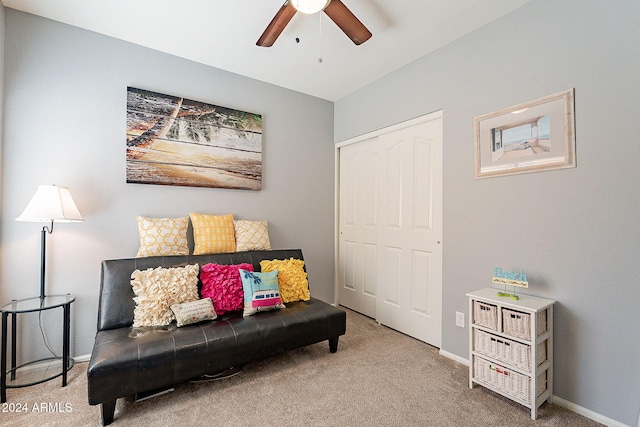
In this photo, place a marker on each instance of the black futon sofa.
(128, 361)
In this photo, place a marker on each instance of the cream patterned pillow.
(213, 234)
(252, 235)
(162, 236)
(157, 289)
(191, 312)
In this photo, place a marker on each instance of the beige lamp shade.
(51, 203)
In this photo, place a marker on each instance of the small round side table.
(23, 375)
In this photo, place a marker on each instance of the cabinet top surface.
(525, 302)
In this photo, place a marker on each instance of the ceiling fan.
(335, 9)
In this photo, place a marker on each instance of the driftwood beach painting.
(177, 141)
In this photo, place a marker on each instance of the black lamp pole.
(43, 246)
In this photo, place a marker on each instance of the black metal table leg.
(65, 342)
(3, 361)
(14, 333)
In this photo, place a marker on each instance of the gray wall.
(575, 232)
(65, 100)
(2, 31)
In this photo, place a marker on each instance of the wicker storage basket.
(518, 324)
(507, 351)
(485, 315)
(508, 381)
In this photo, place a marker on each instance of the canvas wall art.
(534, 136)
(176, 141)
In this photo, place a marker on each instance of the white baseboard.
(454, 357)
(557, 400)
(587, 412)
(82, 358)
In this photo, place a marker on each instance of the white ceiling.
(223, 33)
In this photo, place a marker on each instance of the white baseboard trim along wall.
(587, 412)
(557, 400)
(454, 357)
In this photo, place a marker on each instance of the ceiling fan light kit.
(309, 7)
(335, 9)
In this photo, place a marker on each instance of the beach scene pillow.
(261, 292)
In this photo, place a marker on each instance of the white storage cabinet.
(511, 346)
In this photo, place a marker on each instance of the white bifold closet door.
(389, 261)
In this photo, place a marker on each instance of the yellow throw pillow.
(213, 234)
(162, 236)
(292, 278)
(252, 235)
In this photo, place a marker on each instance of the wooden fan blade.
(277, 25)
(347, 21)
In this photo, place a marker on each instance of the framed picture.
(176, 141)
(535, 136)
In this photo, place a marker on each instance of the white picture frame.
(534, 136)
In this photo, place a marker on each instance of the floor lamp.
(51, 203)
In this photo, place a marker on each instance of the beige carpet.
(378, 377)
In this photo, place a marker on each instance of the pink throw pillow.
(223, 285)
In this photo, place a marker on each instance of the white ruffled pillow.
(157, 289)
